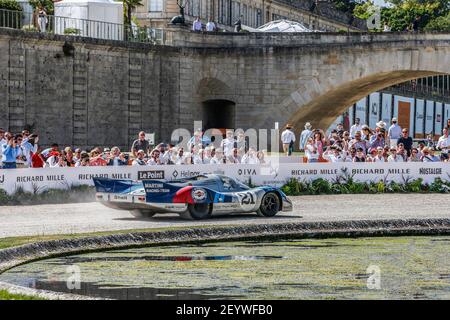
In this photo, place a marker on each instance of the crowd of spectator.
(359, 144)
(364, 144)
(22, 150)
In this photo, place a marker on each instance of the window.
(156, 5)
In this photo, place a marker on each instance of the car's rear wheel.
(270, 205)
(197, 211)
(142, 213)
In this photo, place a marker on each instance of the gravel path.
(90, 217)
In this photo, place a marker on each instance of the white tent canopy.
(283, 26)
(90, 18)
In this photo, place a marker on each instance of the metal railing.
(426, 88)
(32, 22)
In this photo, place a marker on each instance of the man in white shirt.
(139, 161)
(394, 132)
(210, 26)
(227, 144)
(356, 127)
(288, 139)
(334, 155)
(444, 144)
(197, 25)
(394, 157)
(305, 135)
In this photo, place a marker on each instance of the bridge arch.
(323, 110)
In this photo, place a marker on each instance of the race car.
(194, 198)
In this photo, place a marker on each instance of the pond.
(360, 268)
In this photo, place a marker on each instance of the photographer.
(10, 152)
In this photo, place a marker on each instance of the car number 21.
(247, 200)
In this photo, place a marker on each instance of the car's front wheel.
(270, 205)
(142, 213)
(197, 211)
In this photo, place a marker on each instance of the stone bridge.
(89, 92)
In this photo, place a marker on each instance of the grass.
(5, 295)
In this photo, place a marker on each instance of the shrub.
(13, 18)
(295, 187)
(71, 31)
(10, 5)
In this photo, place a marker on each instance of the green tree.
(128, 6)
(10, 5)
(46, 4)
(403, 12)
(439, 24)
(347, 5)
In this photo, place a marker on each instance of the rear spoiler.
(115, 186)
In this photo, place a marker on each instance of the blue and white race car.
(196, 198)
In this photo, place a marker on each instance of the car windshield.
(231, 184)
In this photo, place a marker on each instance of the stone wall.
(106, 91)
(101, 96)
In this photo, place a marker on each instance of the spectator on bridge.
(288, 139)
(42, 19)
(415, 24)
(305, 135)
(444, 144)
(406, 140)
(238, 25)
(210, 26)
(356, 127)
(394, 132)
(140, 144)
(197, 24)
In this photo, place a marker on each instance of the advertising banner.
(38, 180)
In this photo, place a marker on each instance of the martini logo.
(199, 195)
(153, 174)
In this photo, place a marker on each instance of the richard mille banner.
(39, 180)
